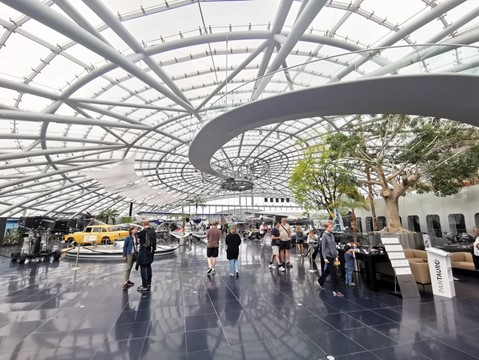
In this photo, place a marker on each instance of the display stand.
(441, 272)
(403, 275)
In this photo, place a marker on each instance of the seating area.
(419, 266)
(463, 261)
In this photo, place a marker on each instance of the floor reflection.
(50, 311)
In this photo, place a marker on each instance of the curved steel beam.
(449, 96)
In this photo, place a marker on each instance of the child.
(349, 264)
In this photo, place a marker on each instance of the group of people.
(140, 248)
(232, 241)
(281, 245)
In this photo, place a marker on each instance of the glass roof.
(86, 85)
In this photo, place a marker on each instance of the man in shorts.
(285, 243)
(213, 236)
(275, 239)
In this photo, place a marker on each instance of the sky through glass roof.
(87, 84)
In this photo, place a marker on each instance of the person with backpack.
(146, 252)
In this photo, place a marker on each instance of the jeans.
(349, 275)
(145, 275)
(233, 266)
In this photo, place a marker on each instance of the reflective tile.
(369, 338)
(84, 314)
(401, 352)
(462, 342)
(336, 343)
(369, 317)
(126, 349)
(341, 321)
(400, 333)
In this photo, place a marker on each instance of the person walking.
(330, 254)
(213, 236)
(233, 241)
(285, 243)
(146, 253)
(129, 252)
(275, 239)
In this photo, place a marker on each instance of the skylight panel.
(58, 73)
(427, 31)
(17, 57)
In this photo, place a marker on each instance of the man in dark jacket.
(147, 247)
(330, 253)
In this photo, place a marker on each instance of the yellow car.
(100, 234)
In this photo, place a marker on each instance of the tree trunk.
(354, 225)
(392, 213)
(371, 200)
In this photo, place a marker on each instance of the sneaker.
(142, 288)
(338, 293)
(282, 268)
(289, 265)
(352, 284)
(209, 270)
(319, 284)
(237, 274)
(231, 274)
(130, 283)
(213, 271)
(271, 266)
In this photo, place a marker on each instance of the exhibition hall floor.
(50, 311)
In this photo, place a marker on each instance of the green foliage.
(448, 177)
(320, 178)
(430, 154)
(12, 237)
(106, 215)
(127, 220)
(404, 153)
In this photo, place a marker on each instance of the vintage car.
(99, 234)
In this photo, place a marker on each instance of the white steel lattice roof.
(85, 85)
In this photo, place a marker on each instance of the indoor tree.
(352, 203)
(108, 214)
(408, 153)
(196, 200)
(320, 179)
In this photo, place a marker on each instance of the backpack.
(150, 239)
(147, 243)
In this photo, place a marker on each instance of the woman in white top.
(475, 252)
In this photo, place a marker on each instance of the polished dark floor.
(50, 311)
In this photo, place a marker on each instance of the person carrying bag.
(146, 255)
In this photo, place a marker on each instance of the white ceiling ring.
(445, 95)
